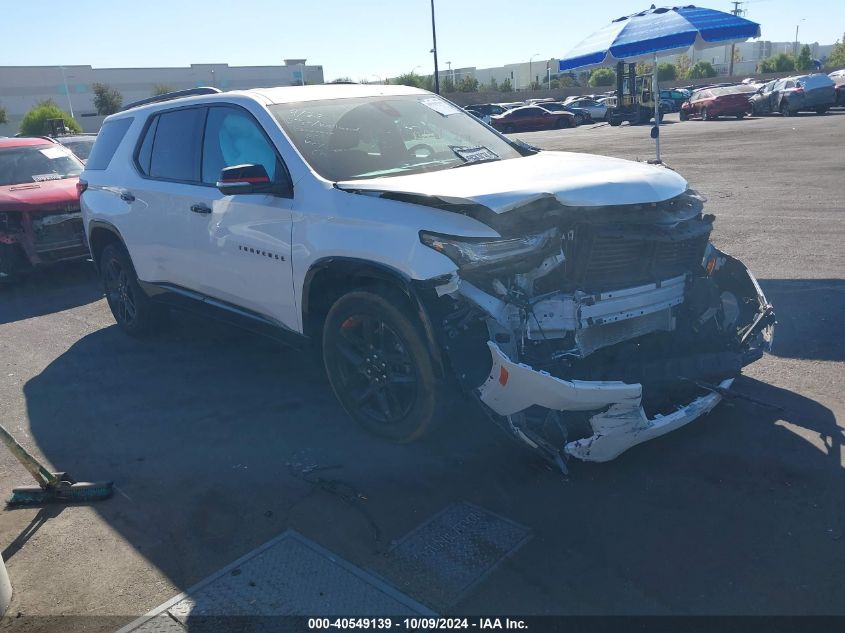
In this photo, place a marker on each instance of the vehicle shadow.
(810, 315)
(49, 290)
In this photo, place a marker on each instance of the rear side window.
(171, 147)
(108, 140)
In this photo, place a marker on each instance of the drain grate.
(441, 560)
(289, 576)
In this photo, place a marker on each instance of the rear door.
(162, 225)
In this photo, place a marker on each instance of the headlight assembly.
(469, 253)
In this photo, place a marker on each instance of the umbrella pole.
(656, 94)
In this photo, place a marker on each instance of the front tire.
(379, 366)
(134, 312)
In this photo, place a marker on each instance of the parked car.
(582, 116)
(486, 109)
(529, 118)
(79, 144)
(40, 219)
(711, 103)
(795, 94)
(675, 97)
(839, 90)
(475, 262)
(837, 73)
(598, 111)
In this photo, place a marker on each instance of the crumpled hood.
(50, 195)
(579, 180)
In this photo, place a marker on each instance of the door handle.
(200, 208)
(127, 196)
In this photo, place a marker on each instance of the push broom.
(51, 486)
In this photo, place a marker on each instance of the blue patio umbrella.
(664, 30)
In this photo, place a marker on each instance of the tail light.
(81, 186)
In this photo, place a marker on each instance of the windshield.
(346, 139)
(37, 163)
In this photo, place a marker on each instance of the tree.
(780, 63)
(506, 86)
(805, 59)
(683, 65)
(107, 100)
(492, 86)
(3, 117)
(701, 70)
(409, 79)
(342, 80)
(468, 84)
(602, 77)
(667, 72)
(34, 122)
(447, 85)
(837, 55)
(162, 89)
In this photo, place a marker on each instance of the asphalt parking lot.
(219, 440)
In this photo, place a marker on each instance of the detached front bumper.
(621, 422)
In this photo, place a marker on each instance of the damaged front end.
(586, 331)
(34, 238)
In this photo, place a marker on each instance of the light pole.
(795, 47)
(549, 72)
(434, 51)
(530, 74)
(302, 73)
(67, 92)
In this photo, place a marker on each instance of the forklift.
(634, 99)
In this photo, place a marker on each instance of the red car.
(531, 118)
(40, 220)
(711, 103)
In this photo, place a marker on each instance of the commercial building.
(21, 87)
(522, 74)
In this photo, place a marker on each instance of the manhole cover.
(288, 576)
(441, 560)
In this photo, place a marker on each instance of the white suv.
(577, 297)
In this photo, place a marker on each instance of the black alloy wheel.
(379, 365)
(134, 312)
(119, 294)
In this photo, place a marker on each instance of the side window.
(146, 150)
(234, 137)
(108, 140)
(175, 152)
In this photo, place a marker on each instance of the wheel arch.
(100, 235)
(329, 278)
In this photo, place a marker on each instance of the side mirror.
(240, 179)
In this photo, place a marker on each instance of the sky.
(358, 39)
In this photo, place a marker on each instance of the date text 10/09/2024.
(417, 623)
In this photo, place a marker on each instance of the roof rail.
(167, 96)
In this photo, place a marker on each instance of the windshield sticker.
(439, 105)
(53, 152)
(474, 154)
(43, 177)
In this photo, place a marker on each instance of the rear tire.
(379, 366)
(134, 312)
(683, 116)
